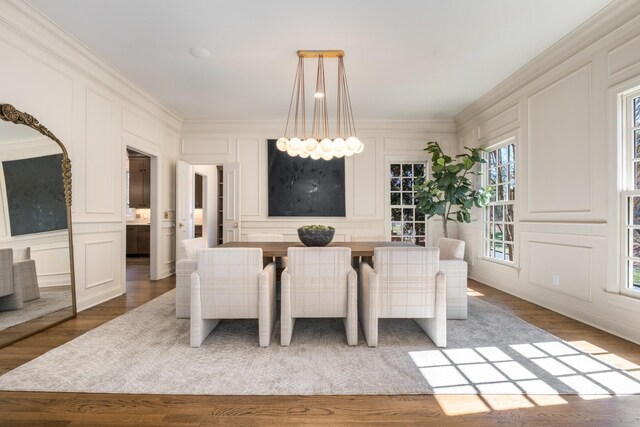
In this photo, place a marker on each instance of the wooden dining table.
(279, 249)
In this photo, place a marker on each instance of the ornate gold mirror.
(37, 286)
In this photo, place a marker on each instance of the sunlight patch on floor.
(473, 293)
(493, 378)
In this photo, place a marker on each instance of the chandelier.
(320, 144)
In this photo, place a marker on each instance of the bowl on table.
(316, 235)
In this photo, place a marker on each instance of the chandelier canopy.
(319, 144)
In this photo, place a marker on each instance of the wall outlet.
(137, 216)
(166, 215)
(555, 280)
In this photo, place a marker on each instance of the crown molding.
(276, 126)
(30, 23)
(605, 24)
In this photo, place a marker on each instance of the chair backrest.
(367, 238)
(6, 272)
(189, 247)
(318, 281)
(406, 281)
(21, 254)
(450, 248)
(229, 282)
(315, 265)
(261, 237)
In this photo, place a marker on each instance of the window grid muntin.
(406, 223)
(500, 174)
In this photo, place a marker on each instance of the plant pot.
(316, 236)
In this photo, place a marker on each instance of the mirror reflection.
(35, 267)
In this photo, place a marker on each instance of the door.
(231, 202)
(184, 204)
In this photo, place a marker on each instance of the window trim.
(491, 146)
(420, 157)
(626, 122)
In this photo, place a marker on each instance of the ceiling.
(405, 59)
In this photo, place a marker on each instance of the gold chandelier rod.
(321, 53)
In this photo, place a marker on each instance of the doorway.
(138, 212)
(207, 203)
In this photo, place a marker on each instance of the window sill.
(624, 301)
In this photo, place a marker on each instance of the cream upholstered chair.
(185, 266)
(18, 278)
(406, 283)
(454, 267)
(230, 283)
(319, 282)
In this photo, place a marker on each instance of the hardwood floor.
(79, 409)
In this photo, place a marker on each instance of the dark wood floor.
(79, 409)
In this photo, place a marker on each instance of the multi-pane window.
(407, 224)
(631, 197)
(498, 223)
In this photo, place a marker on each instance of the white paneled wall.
(561, 109)
(95, 111)
(366, 174)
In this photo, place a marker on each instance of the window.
(406, 223)
(498, 218)
(631, 195)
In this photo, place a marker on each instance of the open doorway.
(138, 215)
(207, 203)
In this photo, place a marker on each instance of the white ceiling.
(389, 46)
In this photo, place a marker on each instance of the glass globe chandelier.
(320, 144)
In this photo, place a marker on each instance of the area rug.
(50, 300)
(147, 351)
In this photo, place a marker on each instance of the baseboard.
(606, 324)
(99, 298)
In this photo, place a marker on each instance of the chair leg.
(351, 321)
(368, 313)
(199, 328)
(267, 304)
(287, 322)
(436, 327)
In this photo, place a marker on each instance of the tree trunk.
(444, 226)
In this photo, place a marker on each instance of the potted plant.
(448, 192)
(316, 235)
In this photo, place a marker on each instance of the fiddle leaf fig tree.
(448, 192)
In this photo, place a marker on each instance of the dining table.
(279, 249)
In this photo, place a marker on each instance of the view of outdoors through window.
(498, 225)
(406, 222)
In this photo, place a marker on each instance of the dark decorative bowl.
(316, 235)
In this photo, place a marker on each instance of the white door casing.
(184, 202)
(231, 202)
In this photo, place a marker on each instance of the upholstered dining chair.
(18, 278)
(406, 283)
(230, 283)
(185, 266)
(454, 267)
(319, 282)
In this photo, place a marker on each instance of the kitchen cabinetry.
(138, 239)
(139, 182)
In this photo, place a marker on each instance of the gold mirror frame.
(9, 113)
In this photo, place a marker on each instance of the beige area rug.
(147, 351)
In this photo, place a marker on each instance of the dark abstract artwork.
(35, 194)
(304, 187)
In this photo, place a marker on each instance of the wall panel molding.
(554, 138)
